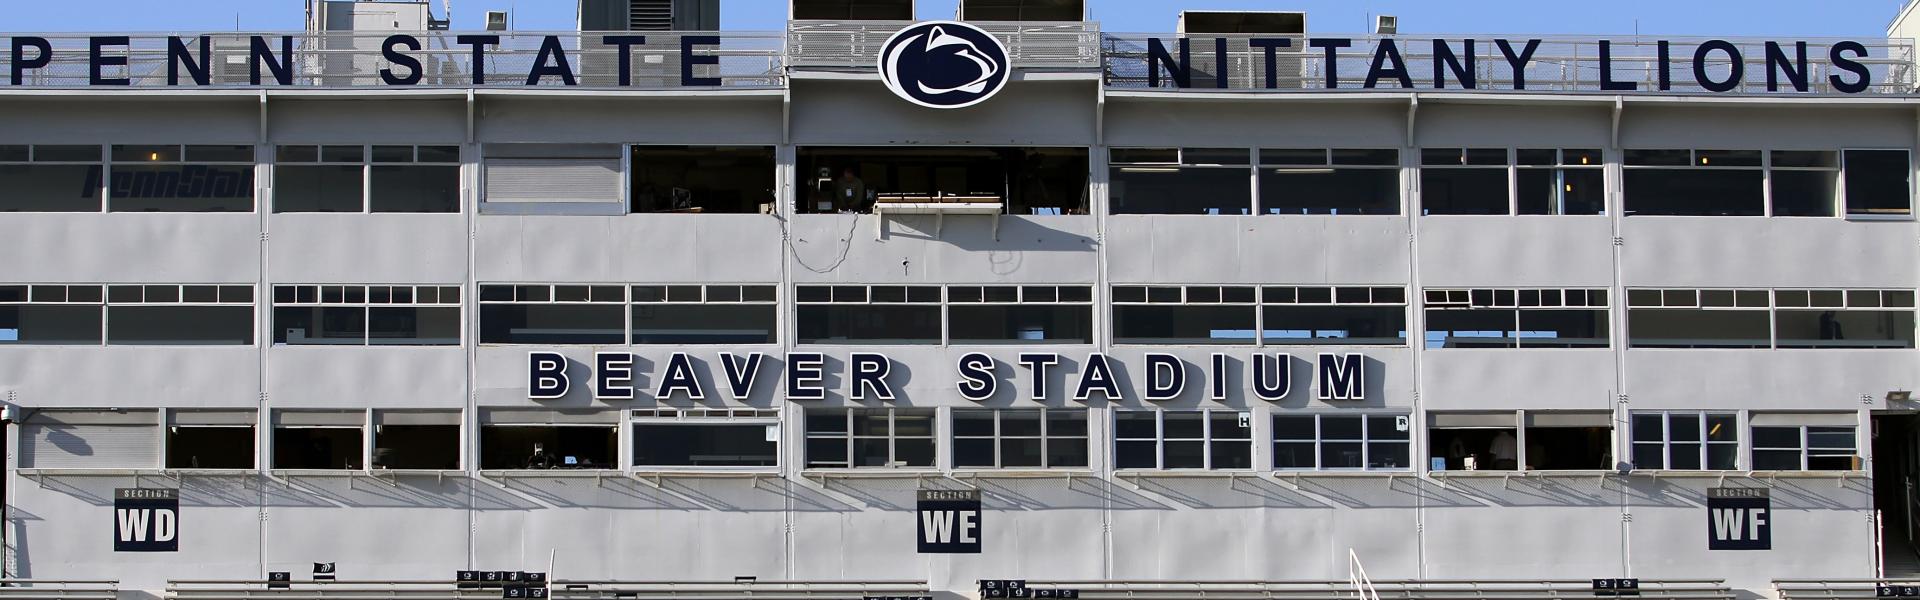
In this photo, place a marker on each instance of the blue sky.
(1799, 18)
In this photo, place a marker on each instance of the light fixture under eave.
(1900, 396)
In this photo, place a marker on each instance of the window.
(1347, 441)
(1516, 318)
(318, 439)
(1022, 180)
(552, 178)
(180, 178)
(706, 438)
(1879, 182)
(1566, 181)
(1567, 441)
(1463, 181)
(1472, 441)
(701, 179)
(1804, 183)
(180, 314)
(1844, 318)
(513, 439)
(50, 178)
(50, 314)
(1780, 444)
(859, 314)
(1346, 315)
(1694, 182)
(416, 439)
(1183, 439)
(709, 314)
(1685, 441)
(1006, 314)
(210, 439)
(1015, 438)
(553, 314)
(1340, 181)
(1684, 318)
(360, 315)
(869, 437)
(381, 179)
(1184, 314)
(1179, 181)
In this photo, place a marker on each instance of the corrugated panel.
(1792, 419)
(51, 446)
(552, 180)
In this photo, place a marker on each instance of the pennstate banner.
(146, 520)
(1739, 519)
(949, 521)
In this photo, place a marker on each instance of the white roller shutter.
(71, 446)
(1796, 419)
(552, 173)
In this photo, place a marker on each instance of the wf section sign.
(146, 520)
(949, 521)
(1739, 519)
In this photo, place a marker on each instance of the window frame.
(1695, 162)
(99, 163)
(893, 438)
(1021, 298)
(1182, 163)
(1331, 163)
(1514, 299)
(706, 290)
(1805, 448)
(367, 163)
(107, 167)
(1667, 442)
(699, 417)
(866, 298)
(367, 305)
(220, 290)
(1320, 439)
(1207, 439)
(1843, 210)
(1045, 437)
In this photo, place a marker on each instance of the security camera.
(1624, 468)
(6, 415)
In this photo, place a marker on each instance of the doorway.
(1896, 488)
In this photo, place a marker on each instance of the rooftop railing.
(345, 60)
(1558, 64)
(856, 44)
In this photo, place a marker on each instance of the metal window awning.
(939, 210)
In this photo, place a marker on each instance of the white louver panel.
(553, 173)
(650, 15)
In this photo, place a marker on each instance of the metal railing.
(57, 589)
(758, 590)
(856, 44)
(1582, 589)
(1559, 64)
(1834, 589)
(342, 60)
(241, 589)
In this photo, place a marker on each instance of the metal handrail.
(856, 44)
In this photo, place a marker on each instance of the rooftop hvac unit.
(496, 20)
(1233, 22)
(1022, 10)
(852, 10)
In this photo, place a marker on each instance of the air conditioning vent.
(650, 15)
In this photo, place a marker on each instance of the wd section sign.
(949, 521)
(1739, 519)
(146, 520)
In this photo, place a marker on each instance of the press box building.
(1231, 311)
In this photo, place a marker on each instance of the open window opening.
(1804, 183)
(203, 178)
(1567, 181)
(1473, 441)
(328, 440)
(1024, 180)
(213, 439)
(547, 447)
(418, 440)
(679, 440)
(1569, 441)
(1179, 181)
(1879, 182)
(701, 179)
(1463, 181)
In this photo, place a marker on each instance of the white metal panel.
(552, 180)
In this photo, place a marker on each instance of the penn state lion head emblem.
(943, 64)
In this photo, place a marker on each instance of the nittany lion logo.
(943, 64)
